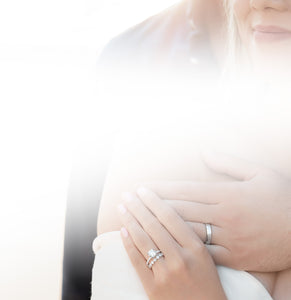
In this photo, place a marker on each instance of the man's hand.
(250, 217)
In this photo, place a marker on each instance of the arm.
(174, 158)
(144, 157)
(250, 216)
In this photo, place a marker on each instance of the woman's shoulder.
(162, 32)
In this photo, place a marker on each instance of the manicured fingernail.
(122, 209)
(142, 191)
(124, 232)
(127, 196)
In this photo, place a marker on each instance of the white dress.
(113, 276)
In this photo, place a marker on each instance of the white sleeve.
(113, 276)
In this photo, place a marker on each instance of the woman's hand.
(186, 271)
(250, 217)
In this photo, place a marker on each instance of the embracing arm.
(133, 164)
(250, 216)
(147, 157)
(141, 159)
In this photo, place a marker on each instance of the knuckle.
(136, 262)
(133, 205)
(179, 265)
(232, 216)
(131, 250)
(163, 280)
(199, 249)
(215, 216)
(131, 225)
(139, 239)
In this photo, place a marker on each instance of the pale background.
(48, 52)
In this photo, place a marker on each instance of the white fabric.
(113, 276)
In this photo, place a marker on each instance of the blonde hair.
(237, 60)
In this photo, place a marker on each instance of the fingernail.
(142, 191)
(122, 209)
(127, 196)
(124, 232)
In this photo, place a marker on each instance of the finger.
(195, 212)
(221, 255)
(145, 274)
(171, 220)
(151, 225)
(140, 238)
(230, 165)
(201, 192)
(200, 229)
(143, 241)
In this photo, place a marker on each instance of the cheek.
(241, 9)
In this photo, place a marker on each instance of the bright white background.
(48, 52)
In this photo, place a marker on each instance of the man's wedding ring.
(208, 234)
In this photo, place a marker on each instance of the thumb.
(229, 165)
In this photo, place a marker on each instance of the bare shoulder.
(147, 156)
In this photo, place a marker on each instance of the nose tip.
(279, 5)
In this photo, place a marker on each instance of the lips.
(267, 34)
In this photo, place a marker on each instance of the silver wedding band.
(208, 234)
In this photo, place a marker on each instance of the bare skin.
(177, 157)
(150, 223)
(264, 28)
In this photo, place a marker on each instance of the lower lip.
(267, 37)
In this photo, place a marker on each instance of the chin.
(274, 57)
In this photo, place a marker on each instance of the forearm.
(147, 158)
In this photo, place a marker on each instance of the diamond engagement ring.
(154, 255)
(208, 234)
